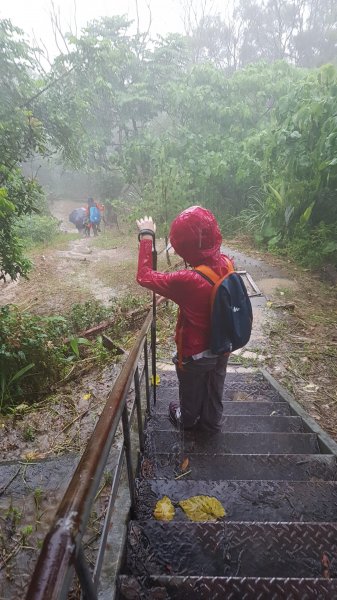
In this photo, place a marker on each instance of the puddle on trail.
(271, 284)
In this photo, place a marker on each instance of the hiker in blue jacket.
(94, 215)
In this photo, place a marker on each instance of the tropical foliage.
(21, 135)
(185, 119)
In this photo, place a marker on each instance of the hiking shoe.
(175, 413)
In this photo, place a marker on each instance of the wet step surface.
(256, 408)
(232, 443)
(275, 473)
(238, 388)
(232, 588)
(240, 423)
(231, 549)
(293, 467)
(246, 500)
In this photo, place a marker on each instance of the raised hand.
(146, 223)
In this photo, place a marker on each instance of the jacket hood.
(195, 235)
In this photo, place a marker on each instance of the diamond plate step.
(293, 467)
(232, 407)
(256, 408)
(166, 395)
(230, 549)
(246, 500)
(221, 588)
(241, 388)
(232, 443)
(244, 423)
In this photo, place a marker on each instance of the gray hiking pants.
(201, 384)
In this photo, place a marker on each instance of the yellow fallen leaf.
(202, 508)
(87, 396)
(164, 510)
(157, 380)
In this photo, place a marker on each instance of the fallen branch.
(133, 315)
(109, 344)
(93, 330)
(183, 474)
(287, 306)
(80, 416)
(15, 551)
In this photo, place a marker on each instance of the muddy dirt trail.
(78, 270)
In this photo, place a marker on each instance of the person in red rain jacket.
(196, 237)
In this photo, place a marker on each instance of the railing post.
(107, 519)
(154, 328)
(147, 380)
(139, 409)
(127, 446)
(88, 588)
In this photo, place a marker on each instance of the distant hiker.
(77, 217)
(196, 237)
(101, 208)
(94, 215)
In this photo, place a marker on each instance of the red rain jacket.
(196, 237)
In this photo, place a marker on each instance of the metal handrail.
(62, 550)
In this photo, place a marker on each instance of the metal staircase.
(275, 473)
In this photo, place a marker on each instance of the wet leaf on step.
(184, 465)
(325, 564)
(164, 510)
(202, 508)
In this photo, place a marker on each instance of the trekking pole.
(153, 325)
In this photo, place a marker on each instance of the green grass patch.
(111, 239)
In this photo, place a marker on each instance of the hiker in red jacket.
(196, 237)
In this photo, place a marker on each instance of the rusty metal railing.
(62, 552)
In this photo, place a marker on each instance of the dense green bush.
(314, 247)
(87, 314)
(37, 229)
(32, 354)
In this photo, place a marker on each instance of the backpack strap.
(207, 273)
(211, 275)
(213, 278)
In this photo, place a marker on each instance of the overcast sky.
(34, 15)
